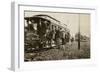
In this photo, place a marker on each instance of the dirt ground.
(69, 51)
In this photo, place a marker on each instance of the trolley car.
(43, 31)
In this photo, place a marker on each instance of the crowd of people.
(49, 35)
(54, 36)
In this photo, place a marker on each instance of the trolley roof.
(48, 18)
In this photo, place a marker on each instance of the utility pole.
(79, 32)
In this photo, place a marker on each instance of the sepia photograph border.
(17, 37)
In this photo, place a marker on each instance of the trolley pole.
(79, 33)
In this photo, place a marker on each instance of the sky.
(72, 20)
